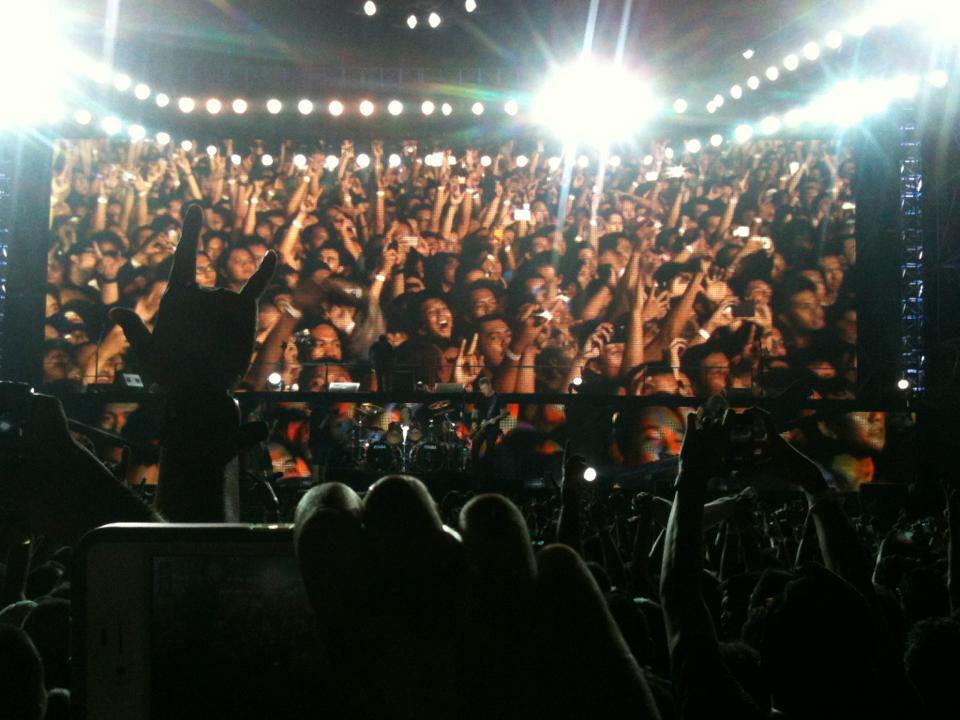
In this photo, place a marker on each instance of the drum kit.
(427, 444)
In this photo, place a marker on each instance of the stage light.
(427, 107)
(743, 133)
(611, 103)
(648, 159)
(791, 62)
(82, 117)
(793, 118)
(938, 78)
(470, 5)
(434, 159)
(651, 176)
(412, 22)
(716, 140)
(614, 161)
(477, 108)
(275, 379)
(121, 81)
(522, 161)
(305, 106)
(211, 150)
(694, 146)
(394, 160)
(668, 153)
(335, 108)
(769, 125)
(186, 104)
(811, 51)
(718, 100)
(433, 20)
(554, 163)
(859, 25)
(101, 73)
(446, 108)
(511, 107)
(578, 381)
(141, 91)
(680, 105)
(214, 106)
(903, 384)
(266, 159)
(111, 125)
(162, 100)
(366, 108)
(186, 145)
(590, 474)
(833, 39)
(136, 132)
(753, 82)
(736, 92)
(370, 8)
(236, 159)
(711, 107)
(583, 162)
(772, 73)
(395, 107)
(748, 54)
(486, 161)
(274, 106)
(163, 138)
(239, 106)
(331, 162)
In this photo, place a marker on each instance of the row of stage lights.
(433, 19)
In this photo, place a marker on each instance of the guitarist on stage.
(487, 415)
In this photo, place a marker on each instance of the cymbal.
(368, 409)
(439, 405)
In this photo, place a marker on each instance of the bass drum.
(383, 457)
(429, 457)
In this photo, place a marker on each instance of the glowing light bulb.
(716, 140)
(811, 51)
(446, 108)
(743, 133)
(366, 108)
(214, 106)
(772, 73)
(753, 82)
(470, 5)
(186, 104)
(412, 22)
(266, 159)
(274, 106)
(680, 105)
(305, 106)
(186, 145)
(239, 106)
(395, 107)
(511, 107)
(162, 100)
(694, 146)
(163, 138)
(394, 160)
(211, 150)
(477, 108)
(335, 108)
(433, 20)
(363, 160)
(736, 92)
(791, 62)
(141, 91)
(370, 8)
(427, 107)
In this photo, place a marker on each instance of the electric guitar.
(484, 424)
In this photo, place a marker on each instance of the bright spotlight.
(718, 100)
(748, 54)
(651, 176)
(668, 153)
(791, 62)
(833, 39)
(859, 25)
(211, 150)
(793, 118)
(433, 20)
(111, 125)
(446, 108)
(694, 146)
(612, 103)
(522, 161)
(736, 92)
(335, 108)
(162, 100)
(903, 384)
(101, 73)
(186, 104)
(412, 22)
(711, 107)
(300, 161)
(331, 162)
(163, 138)
(394, 160)
(305, 106)
(141, 91)
(434, 159)
(648, 159)
(743, 133)
(121, 81)
(82, 117)
(477, 108)
(614, 161)
(275, 379)
(214, 106)
(370, 8)
(274, 106)
(366, 108)
(938, 78)
(427, 107)
(395, 107)
(590, 474)
(236, 159)
(811, 51)
(772, 73)
(511, 107)
(470, 5)
(486, 161)
(266, 159)
(136, 132)
(578, 381)
(583, 162)
(680, 105)
(554, 163)
(363, 161)
(753, 82)
(239, 106)
(769, 125)
(186, 145)
(716, 140)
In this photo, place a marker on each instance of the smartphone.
(743, 231)
(411, 241)
(208, 620)
(848, 206)
(521, 215)
(766, 243)
(744, 309)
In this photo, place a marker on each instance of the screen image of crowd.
(406, 266)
